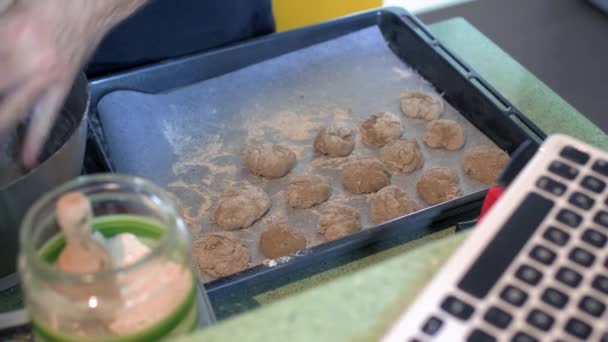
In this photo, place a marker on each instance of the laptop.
(535, 268)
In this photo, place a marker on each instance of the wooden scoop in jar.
(82, 253)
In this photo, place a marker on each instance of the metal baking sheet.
(191, 139)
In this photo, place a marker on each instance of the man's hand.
(44, 44)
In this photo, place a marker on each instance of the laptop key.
(555, 298)
(557, 236)
(601, 218)
(432, 325)
(581, 257)
(568, 276)
(551, 186)
(543, 255)
(540, 320)
(592, 306)
(562, 169)
(593, 184)
(506, 244)
(528, 274)
(594, 238)
(578, 328)
(569, 218)
(601, 166)
(513, 295)
(521, 336)
(498, 317)
(600, 283)
(457, 308)
(479, 335)
(582, 201)
(574, 155)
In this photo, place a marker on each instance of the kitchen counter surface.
(360, 300)
(562, 42)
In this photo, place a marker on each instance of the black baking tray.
(414, 44)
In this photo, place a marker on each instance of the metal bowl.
(61, 160)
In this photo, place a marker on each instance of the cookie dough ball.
(381, 128)
(402, 155)
(338, 220)
(221, 254)
(484, 163)
(437, 185)
(335, 141)
(239, 208)
(270, 161)
(279, 240)
(363, 176)
(444, 133)
(421, 105)
(306, 191)
(390, 202)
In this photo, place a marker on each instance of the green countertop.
(360, 300)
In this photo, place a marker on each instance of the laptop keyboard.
(545, 271)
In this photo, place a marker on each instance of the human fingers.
(43, 117)
(15, 104)
(27, 50)
(13, 76)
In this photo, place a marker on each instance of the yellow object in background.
(290, 14)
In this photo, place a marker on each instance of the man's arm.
(44, 44)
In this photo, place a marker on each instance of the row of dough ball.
(367, 175)
(382, 128)
(275, 161)
(222, 253)
(239, 208)
(402, 155)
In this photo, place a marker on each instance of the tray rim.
(135, 80)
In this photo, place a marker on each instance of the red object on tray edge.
(493, 195)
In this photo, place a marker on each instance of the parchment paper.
(191, 140)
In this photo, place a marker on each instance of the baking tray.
(411, 41)
(196, 133)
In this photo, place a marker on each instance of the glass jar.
(148, 299)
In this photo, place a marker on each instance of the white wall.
(420, 6)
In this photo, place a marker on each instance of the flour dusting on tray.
(286, 100)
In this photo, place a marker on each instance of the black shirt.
(170, 28)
